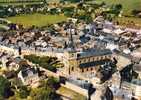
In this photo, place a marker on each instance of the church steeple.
(71, 44)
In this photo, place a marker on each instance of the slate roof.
(25, 73)
(94, 63)
(93, 52)
(18, 59)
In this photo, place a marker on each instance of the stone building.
(29, 76)
(87, 61)
(133, 88)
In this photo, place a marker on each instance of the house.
(9, 74)
(29, 76)
(112, 46)
(99, 19)
(116, 80)
(137, 69)
(133, 88)
(13, 64)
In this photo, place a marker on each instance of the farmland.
(128, 5)
(36, 19)
(19, 2)
(126, 20)
(7, 1)
(3, 27)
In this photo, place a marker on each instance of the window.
(106, 57)
(93, 59)
(72, 69)
(84, 60)
(82, 70)
(89, 59)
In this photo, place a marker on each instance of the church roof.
(94, 63)
(93, 52)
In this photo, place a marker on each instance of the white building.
(29, 76)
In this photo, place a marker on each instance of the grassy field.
(24, 3)
(37, 19)
(20, 2)
(128, 5)
(3, 27)
(126, 20)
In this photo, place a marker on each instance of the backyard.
(36, 19)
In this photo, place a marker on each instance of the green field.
(24, 3)
(128, 5)
(124, 20)
(3, 27)
(37, 19)
(20, 0)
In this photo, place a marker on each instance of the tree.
(47, 90)
(103, 4)
(118, 6)
(23, 92)
(0, 62)
(107, 70)
(127, 73)
(45, 61)
(135, 12)
(73, 1)
(53, 83)
(68, 11)
(108, 94)
(42, 94)
(5, 87)
(115, 9)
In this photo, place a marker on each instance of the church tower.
(71, 53)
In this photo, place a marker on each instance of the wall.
(8, 49)
(76, 88)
